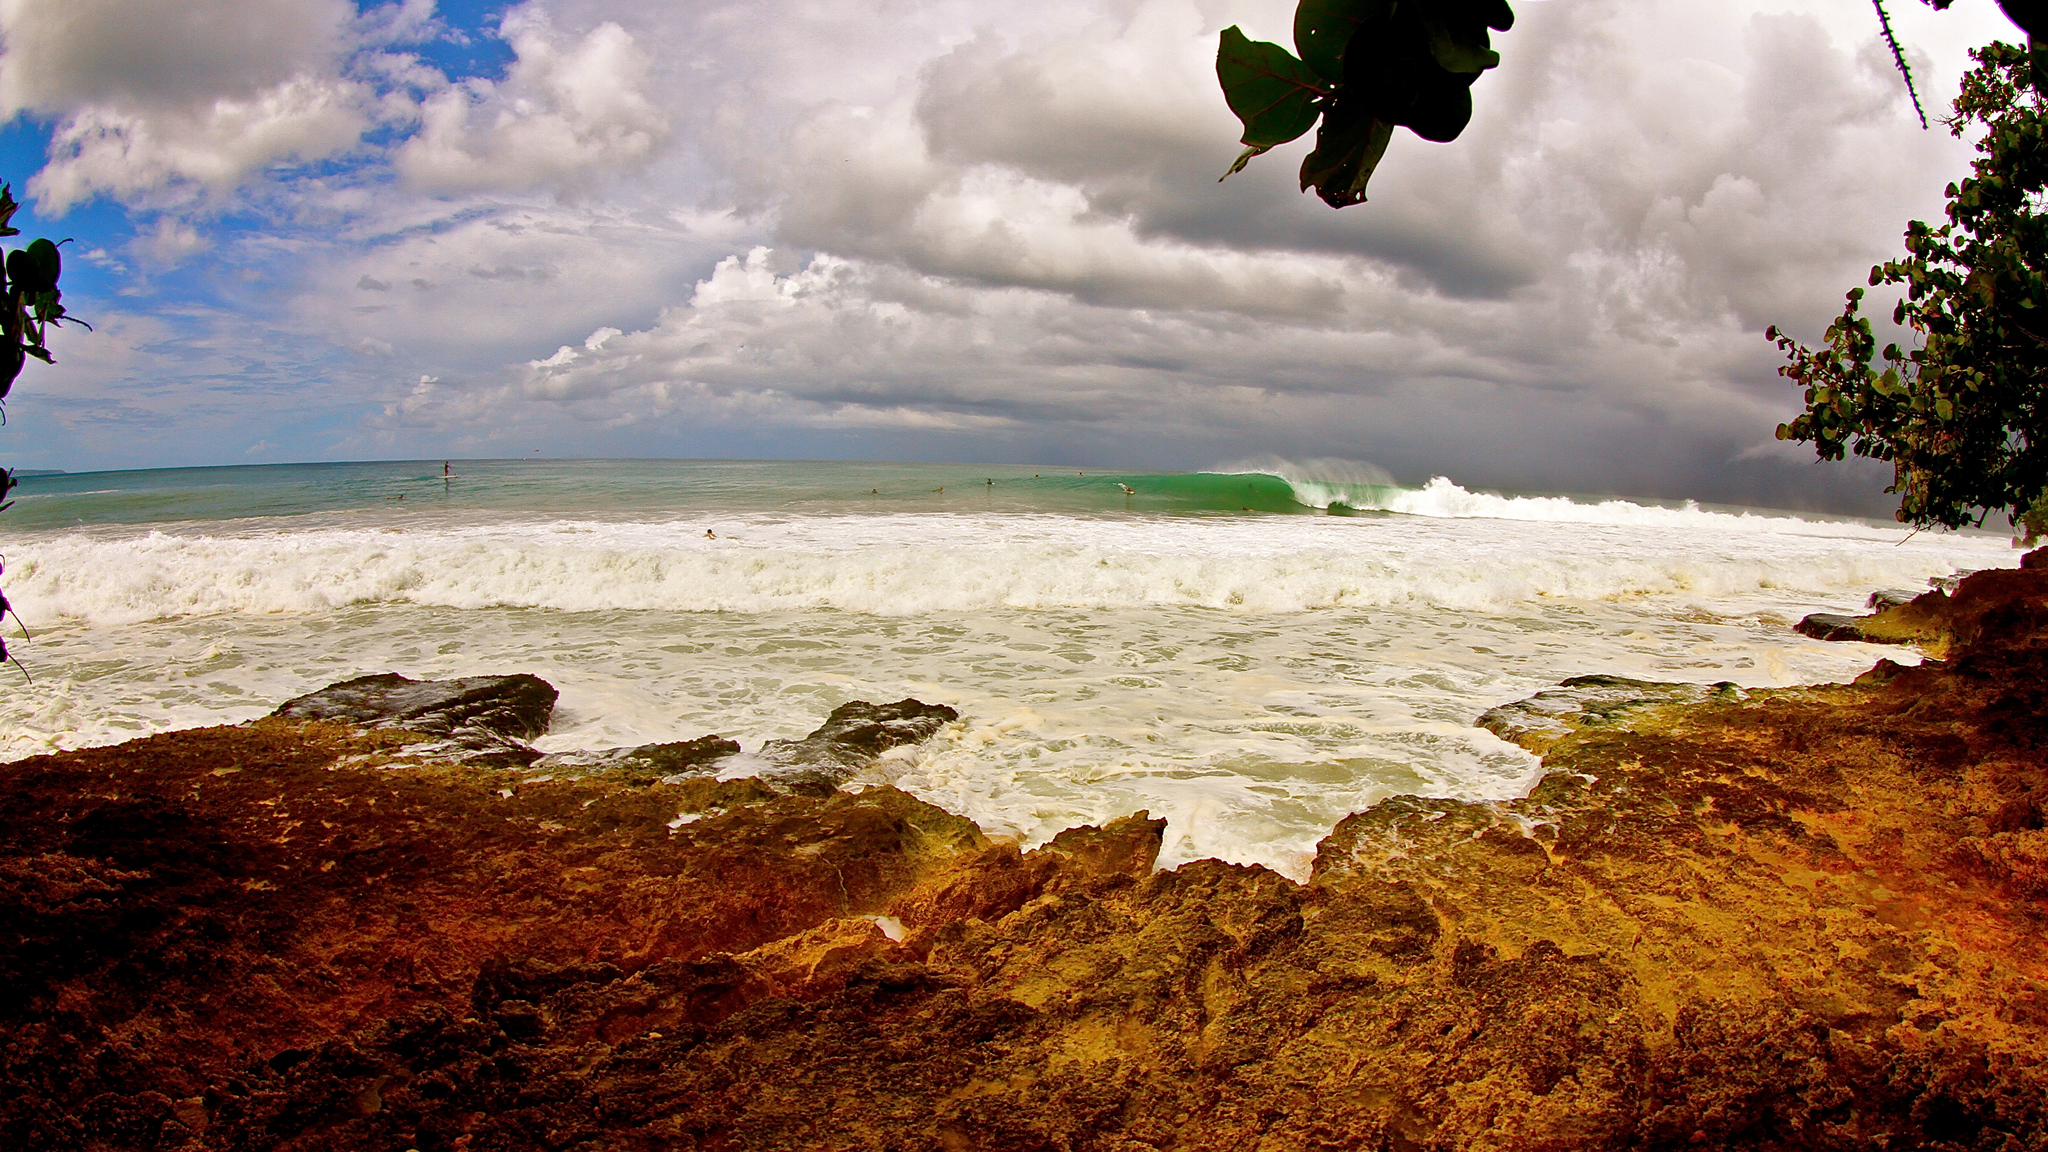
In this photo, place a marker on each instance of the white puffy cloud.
(159, 104)
(567, 110)
(215, 148)
(192, 96)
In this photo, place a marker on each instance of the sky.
(967, 230)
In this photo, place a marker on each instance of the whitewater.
(1251, 653)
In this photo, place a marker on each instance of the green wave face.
(635, 488)
(1189, 492)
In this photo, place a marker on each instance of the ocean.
(1251, 653)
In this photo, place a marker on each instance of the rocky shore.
(1726, 918)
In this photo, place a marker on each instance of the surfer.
(710, 535)
(1128, 490)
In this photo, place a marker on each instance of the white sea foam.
(1363, 487)
(1251, 679)
(913, 564)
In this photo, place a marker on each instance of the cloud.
(972, 229)
(159, 53)
(566, 111)
(186, 98)
(106, 150)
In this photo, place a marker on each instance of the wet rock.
(480, 718)
(1779, 918)
(1590, 701)
(1127, 846)
(1948, 584)
(850, 739)
(643, 764)
(1900, 618)
(1889, 598)
(1833, 626)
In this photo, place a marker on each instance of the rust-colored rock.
(1772, 919)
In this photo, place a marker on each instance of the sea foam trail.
(912, 564)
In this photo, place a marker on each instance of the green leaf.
(48, 264)
(1274, 94)
(1442, 108)
(1461, 47)
(11, 361)
(1243, 158)
(1495, 14)
(1323, 29)
(1348, 147)
(34, 269)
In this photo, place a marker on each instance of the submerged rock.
(486, 720)
(1833, 626)
(480, 717)
(1890, 598)
(1590, 702)
(643, 764)
(850, 739)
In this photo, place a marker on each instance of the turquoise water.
(1214, 647)
(623, 489)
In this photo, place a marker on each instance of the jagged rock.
(1952, 581)
(850, 739)
(1900, 618)
(1832, 626)
(480, 717)
(643, 764)
(1127, 846)
(1589, 701)
(1889, 598)
(1801, 918)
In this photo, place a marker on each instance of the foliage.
(2032, 17)
(1962, 417)
(1369, 66)
(1366, 67)
(30, 305)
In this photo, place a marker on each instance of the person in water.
(710, 535)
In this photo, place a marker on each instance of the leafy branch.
(30, 305)
(1366, 67)
(1962, 416)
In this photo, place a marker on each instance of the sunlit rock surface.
(1802, 918)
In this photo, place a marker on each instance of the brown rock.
(479, 717)
(1800, 918)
